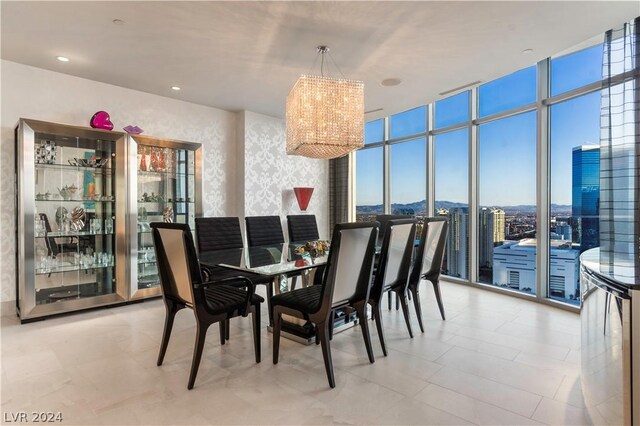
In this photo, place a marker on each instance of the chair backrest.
(430, 253)
(178, 265)
(218, 233)
(384, 219)
(302, 227)
(396, 256)
(264, 230)
(350, 264)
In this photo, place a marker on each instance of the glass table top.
(271, 260)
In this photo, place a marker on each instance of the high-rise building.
(514, 266)
(491, 228)
(457, 258)
(586, 196)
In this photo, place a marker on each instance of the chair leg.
(277, 319)
(222, 331)
(172, 308)
(405, 310)
(294, 281)
(389, 300)
(436, 290)
(416, 304)
(197, 352)
(607, 309)
(227, 326)
(256, 331)
(361, 309)
(323, 330)
(397, 302)
(269, 296)
(378, 318)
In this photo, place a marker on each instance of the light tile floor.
(496, 360)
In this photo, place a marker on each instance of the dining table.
(277, 262)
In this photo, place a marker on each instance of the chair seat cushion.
(306, 299)
(224, 298)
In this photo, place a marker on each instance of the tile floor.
(496, 360)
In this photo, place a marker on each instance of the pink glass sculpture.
(101, 120)
(303, 195)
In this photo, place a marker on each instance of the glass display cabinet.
(70, 210)
(165, 185)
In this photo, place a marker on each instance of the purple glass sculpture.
(132, 130)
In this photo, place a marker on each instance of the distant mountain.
(420, 207)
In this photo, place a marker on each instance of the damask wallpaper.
(270, 174)
(39, 94)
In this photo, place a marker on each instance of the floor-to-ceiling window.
(574, 170)
(514, 166)
(451, 179)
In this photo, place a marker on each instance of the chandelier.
(325, 116)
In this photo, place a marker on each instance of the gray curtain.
(620, 152)
(338, 191)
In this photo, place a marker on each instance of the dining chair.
(392, 275)
(428, 262)
(183, 287)
(384, 219)
(218, 233)
(264, 230)
(345, 283)
(302, 227)
(223, 233)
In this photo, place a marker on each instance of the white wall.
(245, 174)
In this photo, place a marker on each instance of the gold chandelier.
(325, 116)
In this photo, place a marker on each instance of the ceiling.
(247, 55)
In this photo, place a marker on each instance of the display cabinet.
(165, 185)
(70, 211)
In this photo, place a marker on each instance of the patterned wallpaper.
(270, 174)
(35, 93)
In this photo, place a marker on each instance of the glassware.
(108, 225)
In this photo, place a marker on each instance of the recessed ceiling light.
(391, 82)
(527, 51)
(118, 22)
(62, 58)
(176, 88)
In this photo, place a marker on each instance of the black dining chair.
(392, 274)
(302, 227)
(428, 262)
(183, 287)
(224, 233)
(264, 230)
(218, 233)
(346, 283)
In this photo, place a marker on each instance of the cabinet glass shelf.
(69, 268)
(69, 168)
(62, 234)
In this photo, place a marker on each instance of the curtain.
(338, 191)
(620, 152)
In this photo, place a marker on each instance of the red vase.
(303, 195)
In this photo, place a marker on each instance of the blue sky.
(507, 147)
